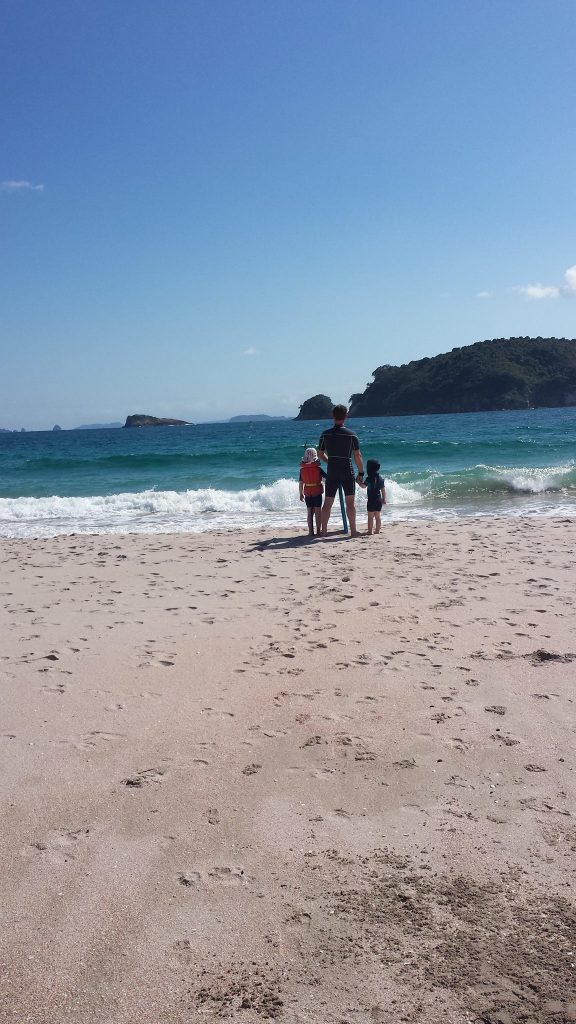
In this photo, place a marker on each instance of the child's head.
(310, 455)
(372, 467)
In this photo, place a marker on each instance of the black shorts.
(346, 480)
(374, 506)
(313, 500)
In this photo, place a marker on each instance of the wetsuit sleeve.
(355, 443)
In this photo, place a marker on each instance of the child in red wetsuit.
(311, 488)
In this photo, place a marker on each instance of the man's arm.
(358, 460)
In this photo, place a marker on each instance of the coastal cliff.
(505, 373)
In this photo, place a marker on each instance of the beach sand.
(247, 777)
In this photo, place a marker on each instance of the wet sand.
(246, 776)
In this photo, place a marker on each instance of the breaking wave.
(475, 491)
(192, 511)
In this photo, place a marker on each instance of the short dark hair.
(339, 412)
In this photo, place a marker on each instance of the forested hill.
(506, 373)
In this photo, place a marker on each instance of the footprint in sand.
(313, 773)
(340, 812)
(90, 740)
(228, 876)
(59, 688)
(143, 777)
(505, 739)
(58, 845)
(456, 743)
(189, 878)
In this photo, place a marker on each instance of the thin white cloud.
(20, 186)
(251, 351)
(551, 291)
(483, 295)
(539, 291)
(569, 287)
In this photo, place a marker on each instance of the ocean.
(217, 476)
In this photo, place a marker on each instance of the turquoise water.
(220, 475)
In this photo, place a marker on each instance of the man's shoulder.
(339, 429)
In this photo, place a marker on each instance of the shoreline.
(526, 507)
(247, 776)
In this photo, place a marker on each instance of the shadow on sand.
(277, 543)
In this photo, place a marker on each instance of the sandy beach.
(246, 776)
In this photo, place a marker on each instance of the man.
(338, 446)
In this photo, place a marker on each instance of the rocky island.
(140, 420)
(317, 408)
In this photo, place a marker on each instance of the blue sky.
(209, 208)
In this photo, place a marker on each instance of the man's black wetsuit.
(339, 443)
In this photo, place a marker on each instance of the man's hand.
(301, 497)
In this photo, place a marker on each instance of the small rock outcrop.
(56, 427)
(140, 420)
(317, 408)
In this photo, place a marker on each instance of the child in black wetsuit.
(375, 493)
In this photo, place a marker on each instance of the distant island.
(256, 418)
(140, 420)
(98, 426)
(317, 408)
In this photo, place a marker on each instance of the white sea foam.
(165, 511)
(396, 494)
(530, 480)
(151, 511)
(265, 507)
